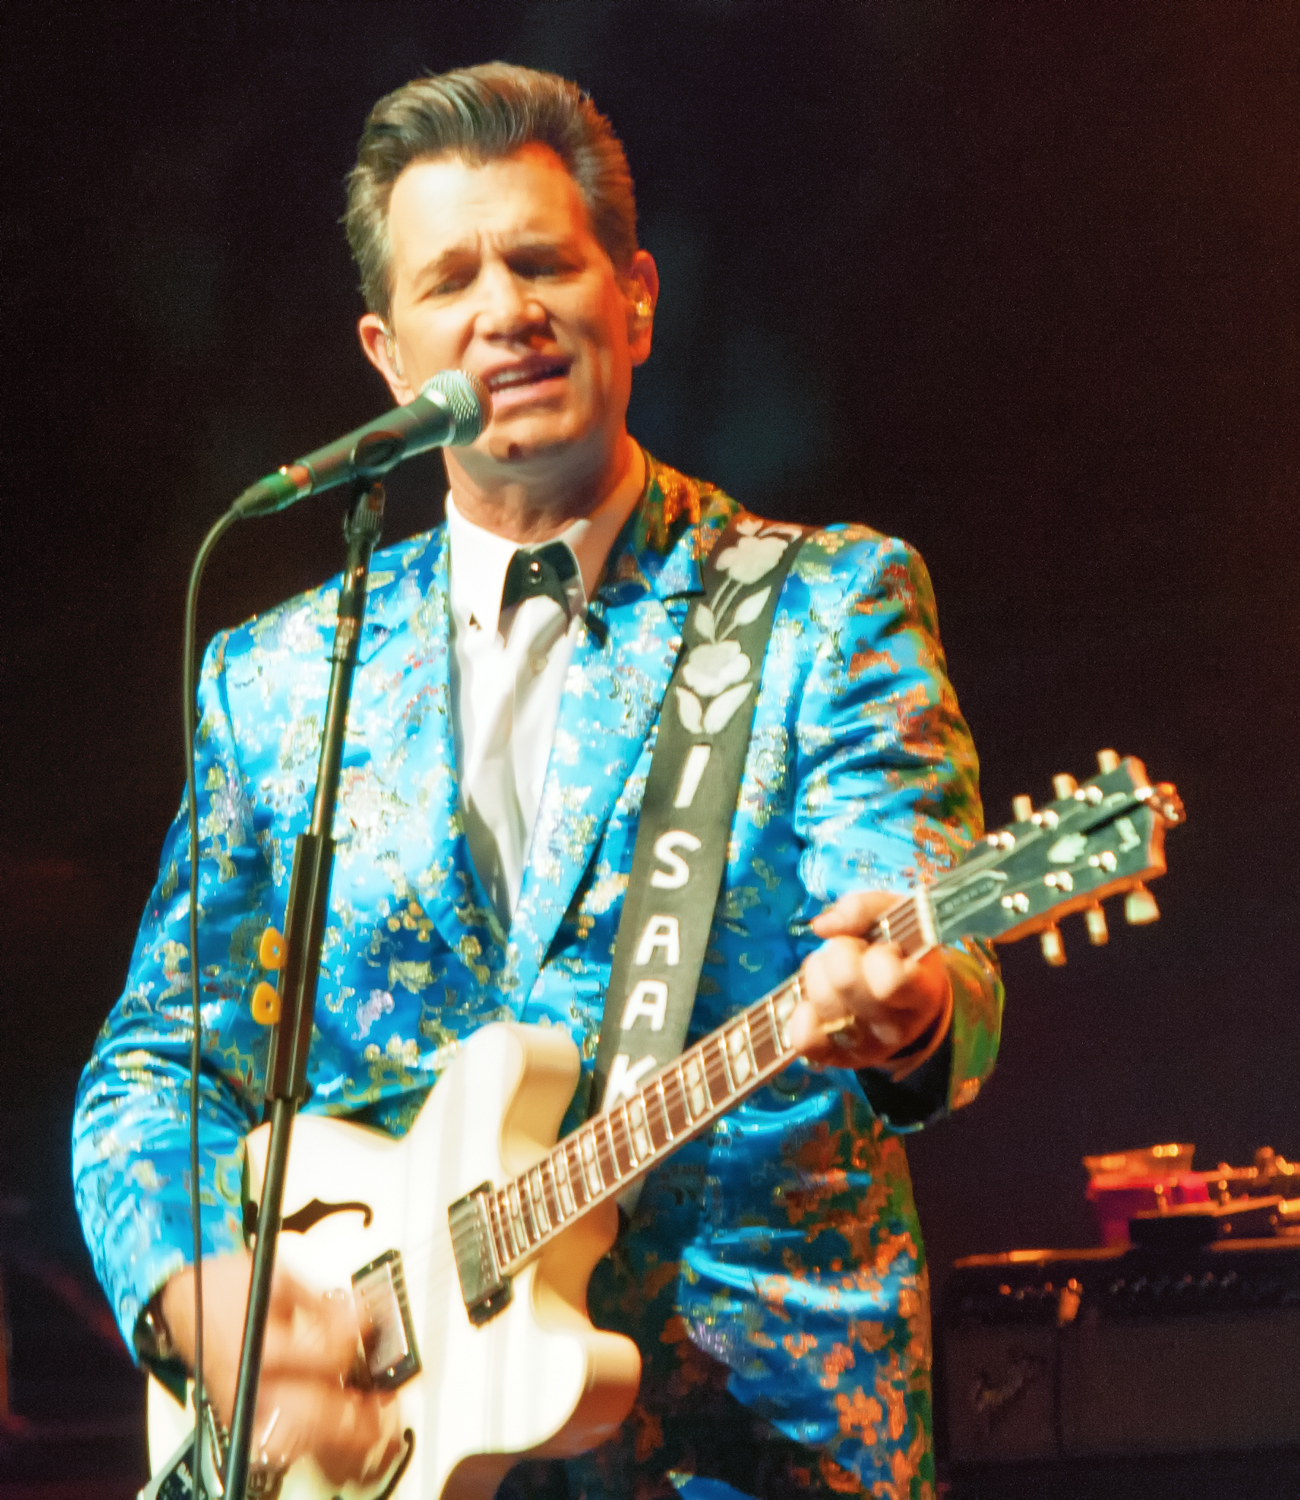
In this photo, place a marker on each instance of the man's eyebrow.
(450, 259)
(525, 243)
(449, 255)
(537, 240)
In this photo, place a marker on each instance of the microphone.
(451, 409)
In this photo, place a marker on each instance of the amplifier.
(1090, 1353)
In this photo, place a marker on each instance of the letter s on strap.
(678, 871)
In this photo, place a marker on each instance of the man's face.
(496, 270)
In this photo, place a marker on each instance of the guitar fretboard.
(680, 1101)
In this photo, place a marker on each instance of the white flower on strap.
(709, 669)
(717, 668)
(697, 719)
(718, 671)
(750, 558)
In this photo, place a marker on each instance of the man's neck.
(537, 501)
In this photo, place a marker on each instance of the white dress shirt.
(508, 671)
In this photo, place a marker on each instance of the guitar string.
(417, 1260)
(904, 926)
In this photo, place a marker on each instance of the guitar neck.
(617, 1147)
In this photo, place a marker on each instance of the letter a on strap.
(690, 800)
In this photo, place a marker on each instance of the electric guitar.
(469, 1243)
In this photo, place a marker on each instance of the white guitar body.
(537, 1379)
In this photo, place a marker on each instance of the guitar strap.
(690, 801)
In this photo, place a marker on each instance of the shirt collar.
(479, 558)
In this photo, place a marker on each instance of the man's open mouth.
(533, 372)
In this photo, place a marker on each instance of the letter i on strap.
(690, 801)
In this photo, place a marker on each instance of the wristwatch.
(156, 1350)
(153, 1338)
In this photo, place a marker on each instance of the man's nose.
(509, 306)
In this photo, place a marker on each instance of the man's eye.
(450, 285)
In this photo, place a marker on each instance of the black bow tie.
(540, 571)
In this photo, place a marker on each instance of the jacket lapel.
(615, 685)
(406, 656)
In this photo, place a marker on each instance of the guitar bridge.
(485, 1290)
(384, 1313)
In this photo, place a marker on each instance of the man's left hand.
(864, 1002)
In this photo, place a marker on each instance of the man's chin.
(522, 444)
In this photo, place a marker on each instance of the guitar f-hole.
(308, 1216)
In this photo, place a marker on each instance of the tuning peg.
(1064, 785)
(1095, 920)
(272, 951)
(1107, 760)
(1170, 804)
(1140, 907)
(265, 1004)
(1022, 808)
(1053, 947)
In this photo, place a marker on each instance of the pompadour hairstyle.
(482, 114)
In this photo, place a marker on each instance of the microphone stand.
(304, 930)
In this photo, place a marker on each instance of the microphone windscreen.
(466, 397)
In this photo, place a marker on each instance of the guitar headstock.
(1101, 839)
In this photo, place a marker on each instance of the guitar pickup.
(384, 1315)
(485, 1290)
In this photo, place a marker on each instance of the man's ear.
(641, 289)
(380, 346)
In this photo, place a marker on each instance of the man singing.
(498, 747)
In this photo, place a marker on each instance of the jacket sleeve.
(131, 1123)
(889, 783)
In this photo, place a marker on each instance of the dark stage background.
(1017, 283)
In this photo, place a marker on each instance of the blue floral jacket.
(781, 1255)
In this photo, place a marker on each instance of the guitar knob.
(272, 950)
(1064, 785)
(1107, 760)
(1022, 808)
(1095, 921)
(1053, 947)
(1140, 907)
(265, 1004)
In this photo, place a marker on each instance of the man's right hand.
(306, 1403)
